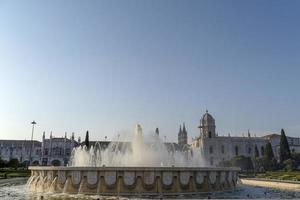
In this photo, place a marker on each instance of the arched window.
(222, 149)
(211, 161)
(249, 150)
(236, 150)
(209, 134)
(262, 150)
(56, 163)
(211, 150)
(46, 151)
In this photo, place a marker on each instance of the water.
(13, 189)
(137, 150)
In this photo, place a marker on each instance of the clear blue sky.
(103, 66)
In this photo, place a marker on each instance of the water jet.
(137, 166)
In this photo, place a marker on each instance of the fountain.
(135, 167)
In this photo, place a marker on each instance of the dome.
(207, 120)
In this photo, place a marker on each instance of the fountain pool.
(138, 167)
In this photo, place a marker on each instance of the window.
(262, 150)
(222, 149)
(210, 149)
(209, 134)
(44, 161)
(236, 150)
(68, 151)
(211, 161)
(249, 150)
(46, 152)
(57, 151)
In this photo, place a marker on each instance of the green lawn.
(281, 175)
(11, 173)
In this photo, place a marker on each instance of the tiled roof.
(269, 136)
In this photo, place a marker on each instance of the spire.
(43, 135)
(184, 130)
(180, 130)
(51, 135)
(65, 135)
(249, 133)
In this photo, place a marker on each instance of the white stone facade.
(216, 149)
(57, 151)
(20, 149)
(294, 143)
(52, 151)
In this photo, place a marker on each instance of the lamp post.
(31, 147)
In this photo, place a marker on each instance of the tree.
(87, 141)
(255, 160)
(14, 163)
(269, 151)
(296, 158)
(256, 152)
(284, 149)
(2, 163)
(270, 162)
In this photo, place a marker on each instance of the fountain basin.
(131, 180)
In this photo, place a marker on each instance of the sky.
(104, 66)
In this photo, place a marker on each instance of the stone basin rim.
(65, 168)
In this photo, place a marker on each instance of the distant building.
(57, 151)
(182, 136)
(52, 151)
(294, 143)
(216, 149)
(20, 149)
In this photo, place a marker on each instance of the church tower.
(179, 135)
(207, 126)
(182, 136)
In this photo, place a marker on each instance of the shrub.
(289, 165)
(2, 163)
(13, 163)
(245, 163)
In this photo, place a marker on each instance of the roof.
(273, 135)
(19, 142)
(62, 139)
(207, 119)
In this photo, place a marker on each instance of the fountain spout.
(138, 130)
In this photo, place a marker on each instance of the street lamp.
(31, 147)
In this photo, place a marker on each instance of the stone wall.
(131, 180)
